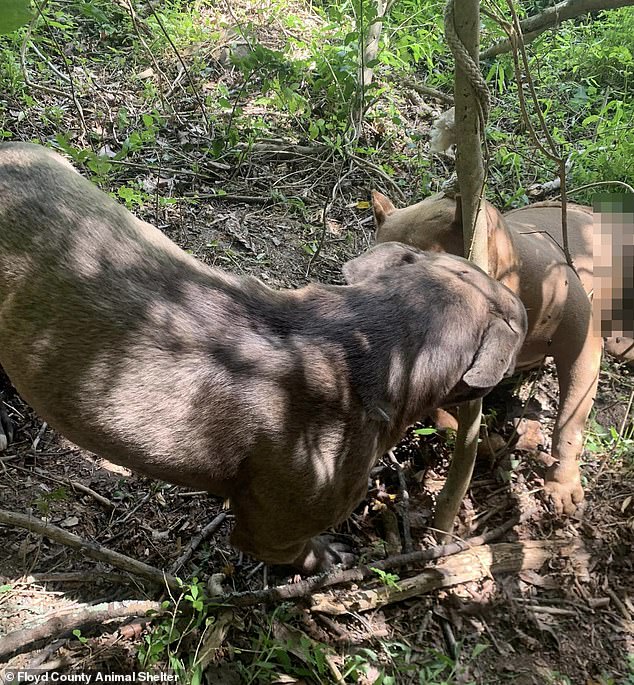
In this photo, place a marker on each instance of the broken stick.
(473, 564)
(90, 549)
(59, 623)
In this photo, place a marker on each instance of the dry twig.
(90, 549)
(208, 530)
(427, 90)
(196, 94)
(283, 593)
(403, 504)
(104, 501)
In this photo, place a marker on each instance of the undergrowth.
(304, 85)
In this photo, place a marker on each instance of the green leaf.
(425, 431)
(78, 635)
(196, 676)
(478, 649)
(14, 13)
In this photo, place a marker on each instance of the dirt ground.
(570, 621)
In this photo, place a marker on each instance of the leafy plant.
(79, 636)
(131, 196)
(603, 441)
(43, 502)
(174, 641)
(388, 579)
(426, 431)
(14, 14)
(405, 665)
(295, 655)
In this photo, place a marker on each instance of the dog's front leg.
(578, 368)
(269, 543)
(280, 515)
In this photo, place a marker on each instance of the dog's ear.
(380, 258)
(382, 207)
(496, 355)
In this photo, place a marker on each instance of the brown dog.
(524, 254)
(279, 400)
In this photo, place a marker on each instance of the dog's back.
(542, 224)
(98, 312)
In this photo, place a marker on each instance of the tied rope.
(468, 65)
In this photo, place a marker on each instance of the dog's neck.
(503, 256)
(504, 260)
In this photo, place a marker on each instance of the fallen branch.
(283, 593)
(285, 150)
(467, 566)
(61, 622)
(377, 170)
(324, 217)
(427, 90)
(90, 549)
(69, 577)
(552, 16)
(402, 506)
(243, 199)
(104, 501)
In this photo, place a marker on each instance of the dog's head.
(503, 317)
(380, 259)
(434, 224)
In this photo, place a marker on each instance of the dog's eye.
(408, 258)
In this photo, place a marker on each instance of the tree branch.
(90, 549)
(468, 566)
(471, 110)
(534, 26)
(63, 621)
(338, 576)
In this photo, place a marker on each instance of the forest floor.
(291, 212)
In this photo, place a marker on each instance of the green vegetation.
(304, 85)
(177, 637)
(278, 650)
(390, 580)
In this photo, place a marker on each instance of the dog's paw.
(563, 488)
(322, 553)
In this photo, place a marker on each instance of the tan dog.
(525, 256)
(279, 400)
